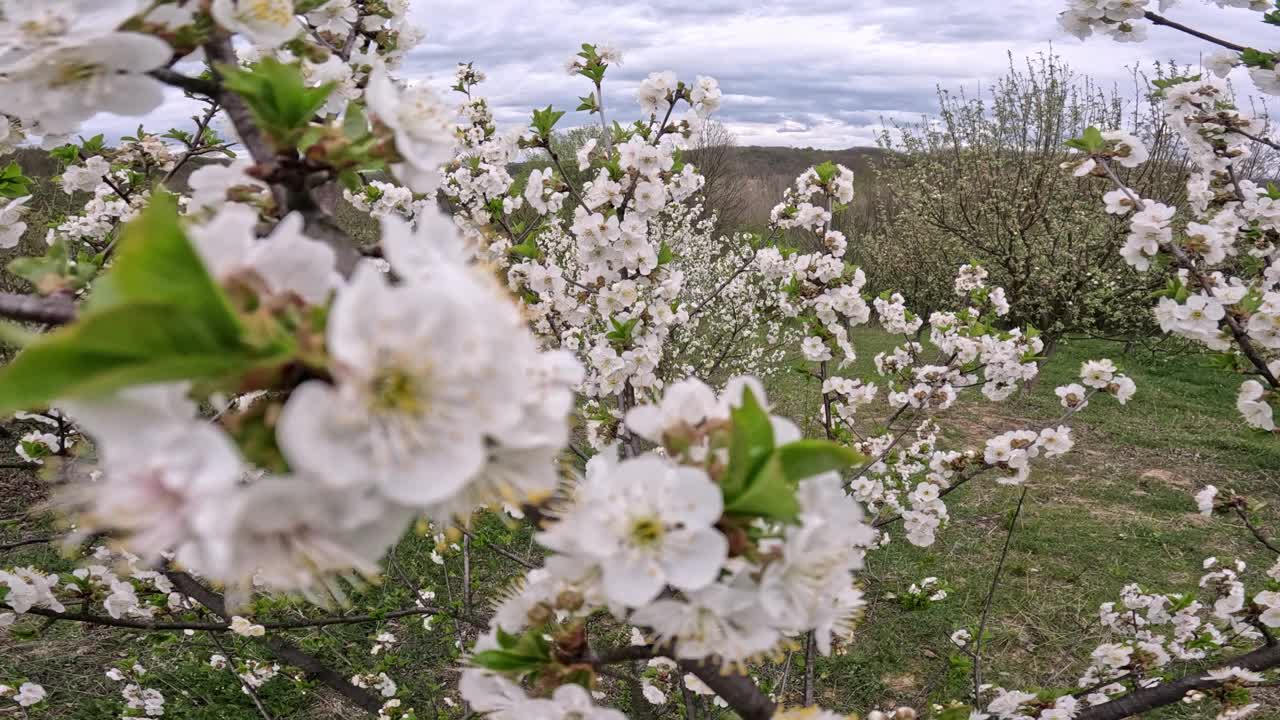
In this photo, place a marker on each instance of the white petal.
(312, 441)
(693, 560)
(646, 421)
(632, 580)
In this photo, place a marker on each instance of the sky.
(819, 73)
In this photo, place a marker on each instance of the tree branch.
(194, 85)
(52, 310)
(1257, 532)
(986, 606)
(1161, 20)
(90, 619)
(737, 690)
(25, 542)
(1141, 701)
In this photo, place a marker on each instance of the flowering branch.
(1238, 332)
(1169, 693)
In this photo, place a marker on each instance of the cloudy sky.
(821, 73)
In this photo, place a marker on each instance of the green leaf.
(750, 442)
(355, 124)
(506, 640)
(505, 661)
(65, 154)
(665, 254)
(805, 458)
(544, 120)
(156, 263)
(116, 348)
(527, 249)
(770, 493)
(157, 316)
(1093, 139)
(96, 144)
(278, 97)
(13, 184)
(826, 171)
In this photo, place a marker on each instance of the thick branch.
(626, 653)
(294, 195)
(1143, 701)
(737, 690)
(52, 310)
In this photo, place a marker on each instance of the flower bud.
(569, 600)
(541, 614)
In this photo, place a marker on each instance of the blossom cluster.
(595, 261)
(1226, 291)
(1148, 632)
(639, 525)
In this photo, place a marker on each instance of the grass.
(1117, 510)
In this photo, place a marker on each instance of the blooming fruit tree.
(244, 402)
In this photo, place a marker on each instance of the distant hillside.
(757, 176)
(744, 183)
(758, 161)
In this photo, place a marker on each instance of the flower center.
(273, 12)
(74, 73)
(50, 27)
(646, 531)
(395, 390)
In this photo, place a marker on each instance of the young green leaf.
(750, 443)
(805, 458)
(157, 316)
(769, 493)
(278, 97)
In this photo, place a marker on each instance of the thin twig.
(253, 695)
(986, 606)
(1257, 532)
(25, 542)
(1161, 20)
(126, 623)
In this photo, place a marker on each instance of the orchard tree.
(979, 183)
(245, 405)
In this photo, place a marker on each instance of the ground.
(1117, 510)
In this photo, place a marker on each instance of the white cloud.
(820, 73)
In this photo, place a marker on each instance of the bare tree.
(712, 152)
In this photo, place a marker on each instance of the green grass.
(1117, 510)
